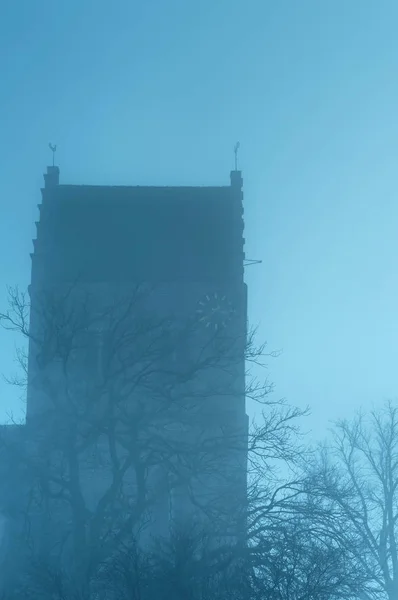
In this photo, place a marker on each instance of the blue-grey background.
(158, 92)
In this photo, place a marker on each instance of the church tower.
(185, 247)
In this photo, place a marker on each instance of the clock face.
(214, 311)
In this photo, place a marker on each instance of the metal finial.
(53, 149)
(237, 146)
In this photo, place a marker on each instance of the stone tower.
(184, 247)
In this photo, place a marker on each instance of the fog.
(158, 94)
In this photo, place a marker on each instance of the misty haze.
(198, 305)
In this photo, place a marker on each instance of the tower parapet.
(51, 178)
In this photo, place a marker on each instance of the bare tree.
(123, 410)
(185, 566)
(354, 487)
(296, 561)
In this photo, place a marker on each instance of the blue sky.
(158, 92)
